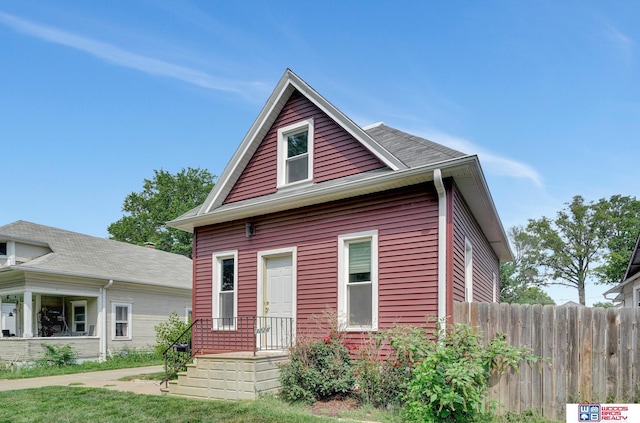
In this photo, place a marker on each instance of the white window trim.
(217, 285)
(282, 152)
(468, 271)
(82, 303)
(129, 321)
(636, 296)
(343, 279)
(495, 287)
(188, 310)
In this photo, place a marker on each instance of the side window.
(468, 271)
(295, 153)
(79, 316)
(121, 314)
(225, 282)
(495, 287)
(358, 281)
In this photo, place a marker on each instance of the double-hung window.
(225, 283)
(358, 280)
(79, 316)
(295, 153)
(121, 320)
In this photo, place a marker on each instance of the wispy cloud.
(621, 43)
(122, 57)
(492, 162)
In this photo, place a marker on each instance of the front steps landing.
(230, 376)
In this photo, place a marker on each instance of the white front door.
(278, 301)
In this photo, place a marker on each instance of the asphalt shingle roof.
(87, 256)
(410, 149)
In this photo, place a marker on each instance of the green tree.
(519, 278)
(533, 295)
(568, 246)
(603, 304)
(163, 198)
(622, 225)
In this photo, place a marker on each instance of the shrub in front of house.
(58, 356)
(318, 369)
(433, 375)
(451, 383)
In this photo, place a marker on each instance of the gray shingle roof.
(87, 256)
(410, 149)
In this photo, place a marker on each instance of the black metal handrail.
(243, 333)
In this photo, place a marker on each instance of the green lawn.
(78, 404)
(132, 359)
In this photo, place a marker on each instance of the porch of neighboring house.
(233, 358)
(29, 319)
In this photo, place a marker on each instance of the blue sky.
(96, 95)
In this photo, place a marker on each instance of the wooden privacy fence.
(593, 354)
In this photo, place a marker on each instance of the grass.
(126, 359)
(75, 404)
(80, 404)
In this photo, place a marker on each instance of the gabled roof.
(286, 86)
(634, 262)
(409, 160)
(632, 273)
(75, 254)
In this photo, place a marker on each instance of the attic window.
(295, 153)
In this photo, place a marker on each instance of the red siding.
(485, 261)
(336, 153)
(407, 224)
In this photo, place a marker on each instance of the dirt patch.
(333, 407)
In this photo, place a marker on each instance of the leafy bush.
(173, 330)
(57, 355)
(382, 372)
(318, 369)
(169, 331)
(450, 384)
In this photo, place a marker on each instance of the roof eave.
(289, 82)
(32, 269)
(465, 170)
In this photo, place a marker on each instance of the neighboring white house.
(99, 295)
(627, 293)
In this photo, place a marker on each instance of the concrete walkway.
(104, 379)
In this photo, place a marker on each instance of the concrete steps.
(230, 376)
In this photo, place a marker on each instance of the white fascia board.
(36, 270)
(296, 199)
(350, 126)
(267, 115)
(244, 151)
(620, 286)
(477, 195)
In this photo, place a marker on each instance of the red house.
(314, 211)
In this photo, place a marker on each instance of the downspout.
(103, 321)
(442, 248)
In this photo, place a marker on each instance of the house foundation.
(230, 376)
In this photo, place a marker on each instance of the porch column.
(27, 316)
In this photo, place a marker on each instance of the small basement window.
(295, 153)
